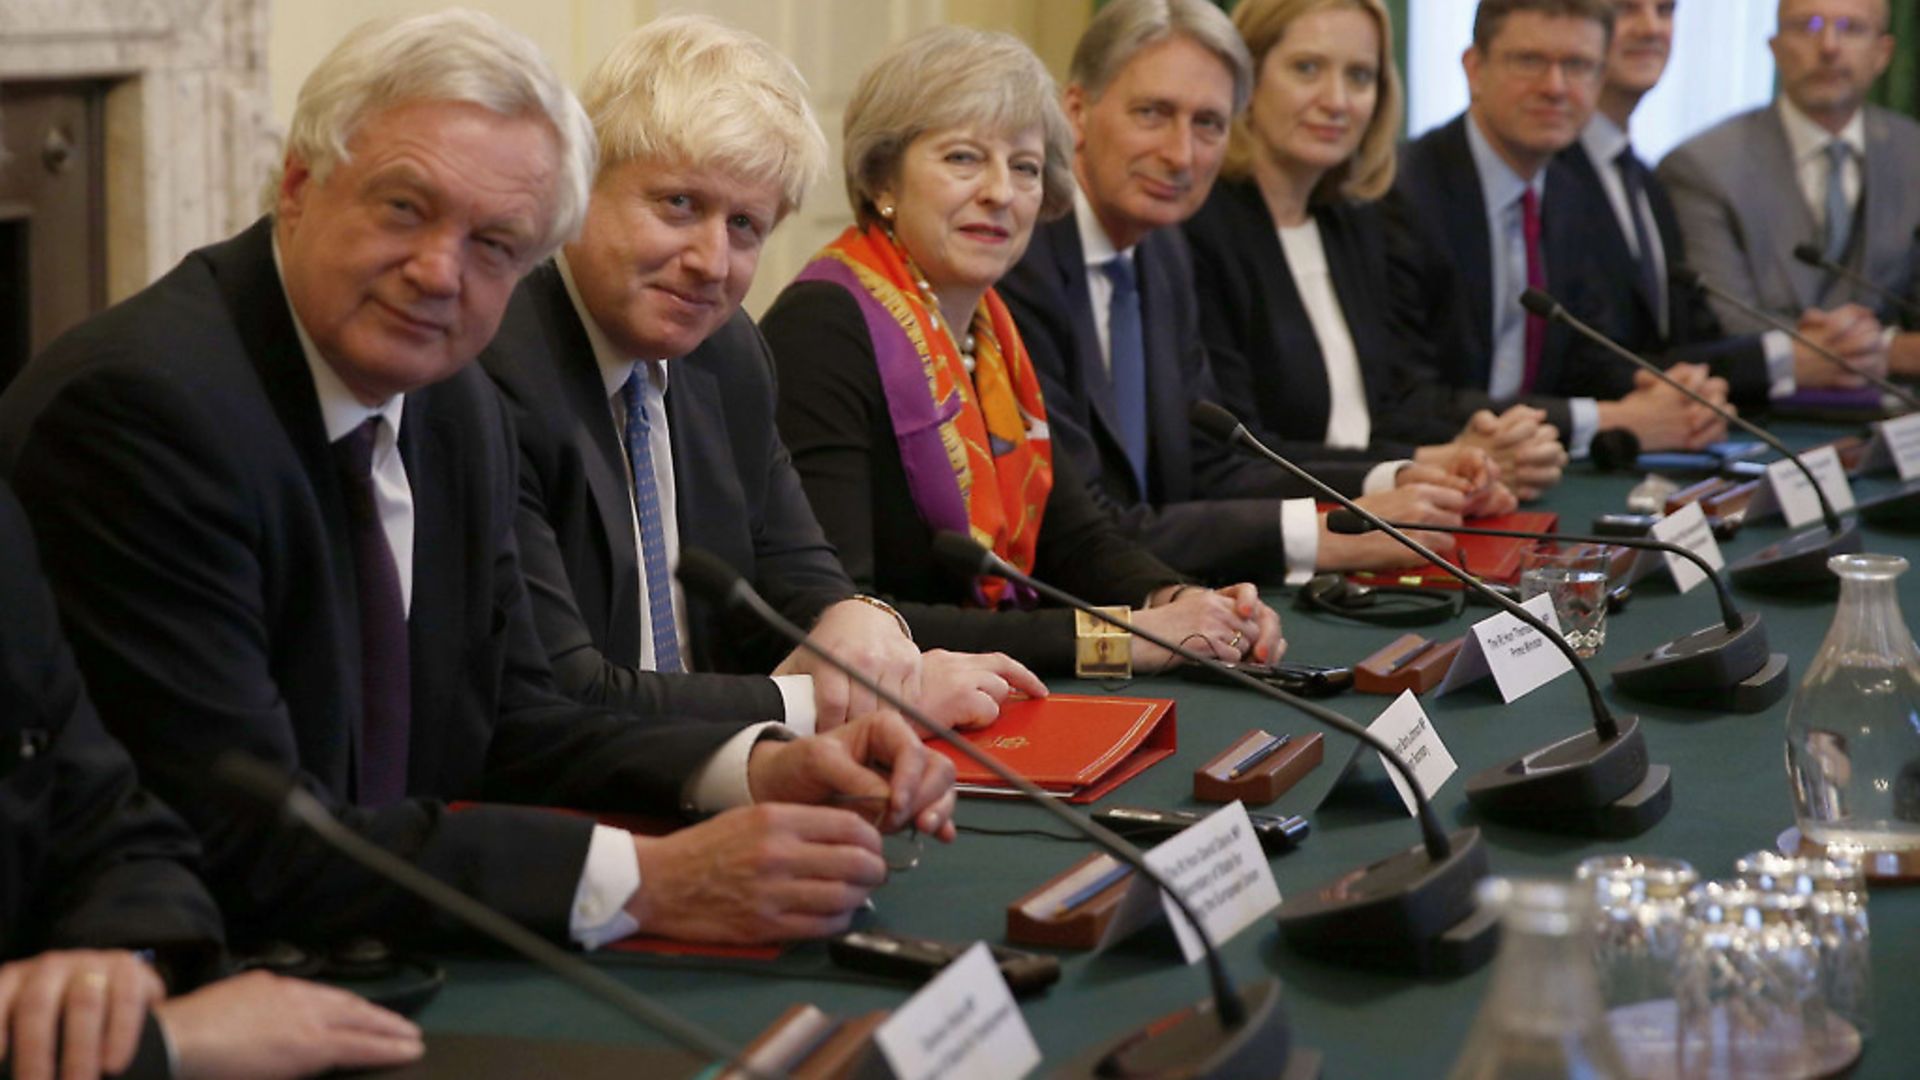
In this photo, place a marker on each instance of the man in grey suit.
(1817, 166)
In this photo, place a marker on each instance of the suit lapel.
(1062, 240)
(1786, 207)
(703, 469)
(1296, 350)
(1471, 236)
(1597, 224)
(1879, 219)
(264, 322)
(443, 560)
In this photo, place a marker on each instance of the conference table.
(1730, 797)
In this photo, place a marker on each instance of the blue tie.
(1839, 210)
(653, 538)
(1127, 346)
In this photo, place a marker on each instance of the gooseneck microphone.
(1228, 1035)
(274, 788)
(1690, 279)
(1810, 255)
(1799, 560)
(1412, 910)
(1727, 666)
(1595, 783)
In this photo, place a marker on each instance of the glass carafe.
(1853, 729)
(1543, 1018)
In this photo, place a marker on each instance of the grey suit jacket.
(1742, 213)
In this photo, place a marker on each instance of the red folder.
(1079, 746)
(1490, 558)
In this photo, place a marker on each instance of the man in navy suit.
(1104, 300)
(1628, 219)
(709, 144)
(277, 504)
(1477, 225)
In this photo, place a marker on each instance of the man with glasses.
(1819, 166)
(1473, 229)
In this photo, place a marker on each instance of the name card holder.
(1732, 502)
(1270, 774)
(1073, 909)
(1698, 492)
(1409, 662)
(808, 1044)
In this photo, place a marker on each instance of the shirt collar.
(340, 411)
(1603, 139)
(1099, 250)
(1500, 185)
(1806, 139)
(615, 368)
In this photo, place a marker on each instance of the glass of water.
(1576, 578)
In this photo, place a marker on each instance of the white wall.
(1720, 66)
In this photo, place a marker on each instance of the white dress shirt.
(1807, 143)
(1502, 188)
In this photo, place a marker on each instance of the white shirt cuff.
(1781, 381)
(1383, 477)
(796, 697)
(1586, 423)
(721, 784)
(610, 878)
(1300, 538)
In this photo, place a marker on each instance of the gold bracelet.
(1101, 650)
(899, 619)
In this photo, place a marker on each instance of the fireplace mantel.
(190, 138)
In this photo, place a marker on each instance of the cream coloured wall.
(831, 41)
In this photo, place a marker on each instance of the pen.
(1413, 654)
(1093, 888)
(1259, 754)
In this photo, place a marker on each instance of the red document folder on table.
(1078, 746)
(1490, 558)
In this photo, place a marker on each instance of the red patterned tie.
(1536, 279)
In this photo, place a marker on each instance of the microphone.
(1689, 279)
(1596, 783)
(1810, 255)
(274, 788)
(1796, 561)
(1227, 1035)
(1413, 909)
(1724, 667)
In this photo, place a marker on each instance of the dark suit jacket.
(1443, 266)
(1210, 510)
(87, 858)
(833, 414)
(172, 455)
(737, 497)
(1694, 331)
(1262, 344)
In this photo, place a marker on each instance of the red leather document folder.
(1078, 746)
(1490, 558)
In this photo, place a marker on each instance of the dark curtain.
(1899, 88)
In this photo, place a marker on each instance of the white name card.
(1896, 442)
(1518, 658)
(964, 1023)
(1405, 727)
(1795, 496)
(1221, 872)
(1688, 528)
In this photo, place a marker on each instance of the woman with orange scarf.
(906, 396)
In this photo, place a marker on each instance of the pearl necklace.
(965, 343)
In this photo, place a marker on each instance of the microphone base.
(1798, 561)
(1405, 913)
(1190, 1045)
(1897, 509)
(1581, 785)
(1705, 664)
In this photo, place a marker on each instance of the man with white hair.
(277, 505)
(1818, 166)
(643, 401)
